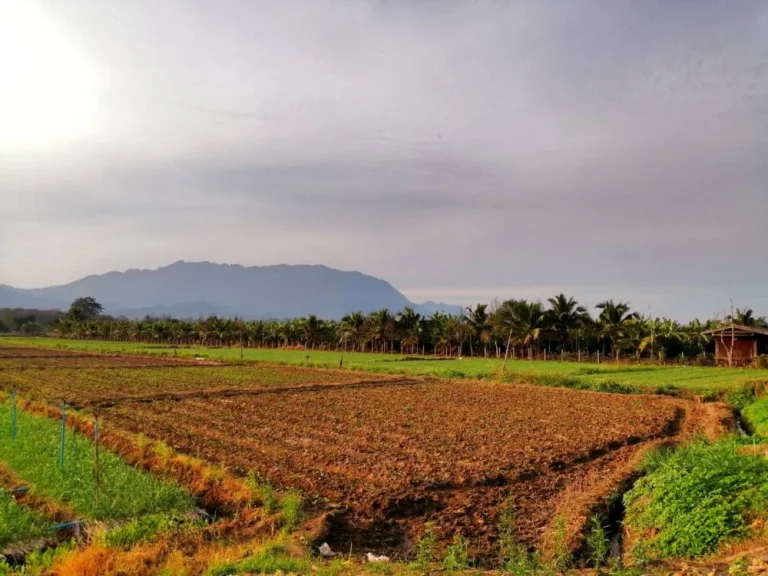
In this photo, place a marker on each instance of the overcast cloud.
(460, 150)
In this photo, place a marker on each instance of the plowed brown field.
(395, 457)
(84, 387)
(384, 454)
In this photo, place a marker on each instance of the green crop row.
(121, 492)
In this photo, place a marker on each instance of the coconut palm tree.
(382, 328)
(524, 320)
(565, 316)
(743, 317)
(409, 328)
(310, 328)
(479, 326)
(613, 318)
(352, 328)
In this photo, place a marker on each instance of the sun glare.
(48, 92)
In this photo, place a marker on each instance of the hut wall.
(744, 349)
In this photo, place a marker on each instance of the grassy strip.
(125, 491)
(214, 488)
(694, 499)
(269, 560)
(19, 523)
(756, 416)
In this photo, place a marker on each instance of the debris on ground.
(373, 559)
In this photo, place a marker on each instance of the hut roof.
(739, 330)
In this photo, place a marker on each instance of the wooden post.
(13, 414)
(63, 432)
(96, 462)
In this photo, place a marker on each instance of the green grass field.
(125, 492)
(692, 379)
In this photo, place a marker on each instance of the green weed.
(515, 557)
(137, 530)
(561, 560)
(456, 555)
(597, 542)
(425, 549)
(292, 508)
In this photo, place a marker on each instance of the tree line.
(513, 328)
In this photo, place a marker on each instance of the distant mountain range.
(194, 289)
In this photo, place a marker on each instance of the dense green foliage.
(27, 320)
(517, 328)
(695, 498)
(125, 491)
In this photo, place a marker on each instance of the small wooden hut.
(743, 343)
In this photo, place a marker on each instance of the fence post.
(13, 414)
(97, 470)
(63, 430)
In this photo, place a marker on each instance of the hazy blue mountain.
(15, 298)
(192, 289)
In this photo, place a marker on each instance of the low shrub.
(693, 499)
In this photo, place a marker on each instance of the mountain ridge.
(193, 289)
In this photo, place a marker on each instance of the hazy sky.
(461, 150)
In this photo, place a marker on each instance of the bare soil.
(388, 459)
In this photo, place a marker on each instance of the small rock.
(325, 551)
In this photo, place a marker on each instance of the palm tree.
(565, 316)
(410, 327)
(524, 320)
(634, 336)
(382, 327)
(479, 326)
(613, 319)
(352, 327)
(311, 329)
(744, 317)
